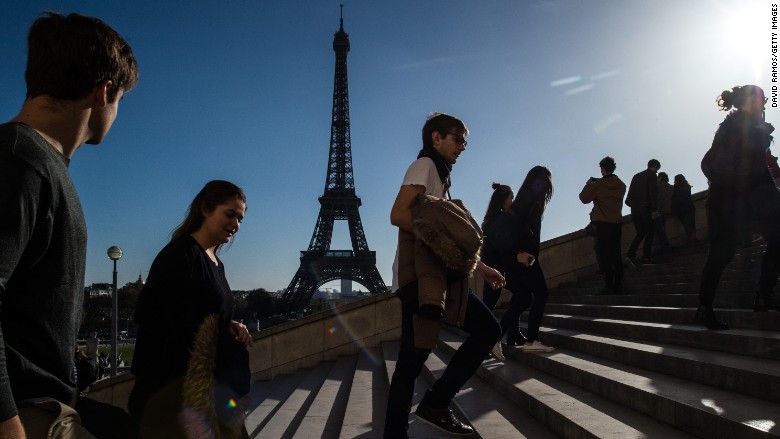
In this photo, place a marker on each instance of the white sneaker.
(497, 354)
(536, 346)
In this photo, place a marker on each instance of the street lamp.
(114, 253)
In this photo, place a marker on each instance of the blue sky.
(242, 90)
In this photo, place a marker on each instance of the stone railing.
(301, 343)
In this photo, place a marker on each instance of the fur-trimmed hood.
(448, 228)
(209, 410)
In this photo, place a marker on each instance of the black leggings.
(529, 289)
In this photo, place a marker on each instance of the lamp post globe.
(114, 253)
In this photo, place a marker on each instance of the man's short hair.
(68, 56)
(608, 163)
(653, 163)
(444, 124)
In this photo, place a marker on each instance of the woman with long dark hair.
(683, 208)
(191, 365)
(524, 275)
(741, 189)
(500, 201)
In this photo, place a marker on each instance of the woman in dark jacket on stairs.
(741, 189)
(191, 364)
(524, 276)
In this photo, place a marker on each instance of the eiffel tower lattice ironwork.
(320, 264)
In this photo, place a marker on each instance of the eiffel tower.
(320, 264)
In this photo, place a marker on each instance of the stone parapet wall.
(324, 336)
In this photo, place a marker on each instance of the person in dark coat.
(190, 355)
(683, 208)
(525, 278)
(642, 198)
(500, 201)
(741, 189)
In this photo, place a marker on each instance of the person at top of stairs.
(741, 189)
(606, 193)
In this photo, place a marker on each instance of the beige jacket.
(607, 196)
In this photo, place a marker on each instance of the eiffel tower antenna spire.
(320, 264)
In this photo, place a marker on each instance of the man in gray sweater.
(78, 68)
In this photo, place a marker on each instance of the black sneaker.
(443, 419)
(649, 261)
(515, 338)
(706, 316)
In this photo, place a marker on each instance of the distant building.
(346, 288)
(98, 289)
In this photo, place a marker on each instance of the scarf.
(442, 167)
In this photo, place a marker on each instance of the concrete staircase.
(625, 366)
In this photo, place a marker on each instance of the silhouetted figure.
(606, 193)
(500, 201)
(525, 278)
(78, 69)
(683, 208)
(642, 198)
(665, 191)
(741, 189)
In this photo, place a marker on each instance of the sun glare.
(746, 35)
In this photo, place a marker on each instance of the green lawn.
(125, 351)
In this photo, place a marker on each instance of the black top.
(643, 191)
(528, 214)
(184, 287)
(737, 158)
(43, 241)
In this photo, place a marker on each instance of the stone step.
(492, 414)
(722, 300)
(750, 342)
(417, 428)
(365, 412)
(570, 411)
(667, 269)
(662, 279)
(743, 261)
(732, 286)
(699, 409)
(292, 410)
(267, 397)
(736, 318)
(756, 377)
(325, 415)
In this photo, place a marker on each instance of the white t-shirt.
(422, 173)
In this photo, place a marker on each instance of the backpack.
(502, 235)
